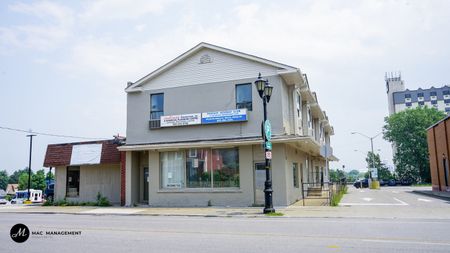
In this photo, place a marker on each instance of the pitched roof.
(195, 49)
(60, 154)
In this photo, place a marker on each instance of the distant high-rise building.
(400, 98)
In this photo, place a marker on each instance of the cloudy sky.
(64, 65)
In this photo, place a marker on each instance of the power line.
(48, 134)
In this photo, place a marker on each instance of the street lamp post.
(29, 166)
(265, 91)
(371, 148)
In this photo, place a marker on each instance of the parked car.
(383, 182)
(364, 183)
(406, 182)
(391, 182)
(3, 201)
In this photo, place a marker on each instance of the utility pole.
(29, 168)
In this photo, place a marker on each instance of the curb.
(431, 194)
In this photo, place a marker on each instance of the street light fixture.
(371, 147)
(265, 92)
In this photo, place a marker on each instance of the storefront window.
(225, 163)
(172, 169)
(198, 168)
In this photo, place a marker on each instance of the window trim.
(186, 152)
(151, 111)
(246, 102)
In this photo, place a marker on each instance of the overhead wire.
(50, 134)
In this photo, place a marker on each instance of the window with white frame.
(200, 168)
(172, 169)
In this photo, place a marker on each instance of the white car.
(3, 201)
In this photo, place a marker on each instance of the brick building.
(438, 136)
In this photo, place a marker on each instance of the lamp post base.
(268, 210)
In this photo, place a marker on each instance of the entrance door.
(260, 178)
(146, 179)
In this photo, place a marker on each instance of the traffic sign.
(268, 154)
(268, 145)
(268, 129)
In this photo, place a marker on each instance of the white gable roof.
(252, 64)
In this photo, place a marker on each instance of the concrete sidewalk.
(249, 212)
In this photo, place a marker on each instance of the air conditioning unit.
(154, 123)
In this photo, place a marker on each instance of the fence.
(323, 192)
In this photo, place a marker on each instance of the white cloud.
(107, 10)
(53, 27)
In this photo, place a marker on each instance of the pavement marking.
(407, 242)
(394, 191)
(424, 200)
(401, 203)
(367, 199)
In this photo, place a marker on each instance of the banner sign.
(224, 116)
(86, 154)
(181, 120)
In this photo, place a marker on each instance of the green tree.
(337, 175)
(23, 180)
(4, 178)
(38, 180)
(374, 161)
(50, 175)
(352, 175)
(14, 177)
(407, 131)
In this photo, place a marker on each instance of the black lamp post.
(29, 166)
(265, 91)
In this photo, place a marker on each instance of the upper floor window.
(310, 123)
(446, 92)
(244, 96)
(156, 106)
(420, 94)
(299, 106)
(407, 95)
(433, 93)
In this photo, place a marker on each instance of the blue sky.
(64, 65)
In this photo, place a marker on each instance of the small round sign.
(19, 233)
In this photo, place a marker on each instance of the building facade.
(400, 98)
(85, 169)
(438, 137)
(194, 132)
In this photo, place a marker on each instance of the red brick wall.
(438, 147)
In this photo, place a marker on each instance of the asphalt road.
(201, 234)
(392, 197)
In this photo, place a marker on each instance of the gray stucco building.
(194, 132)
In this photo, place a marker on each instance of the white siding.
(224, 67)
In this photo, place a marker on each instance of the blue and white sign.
(224, 116)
